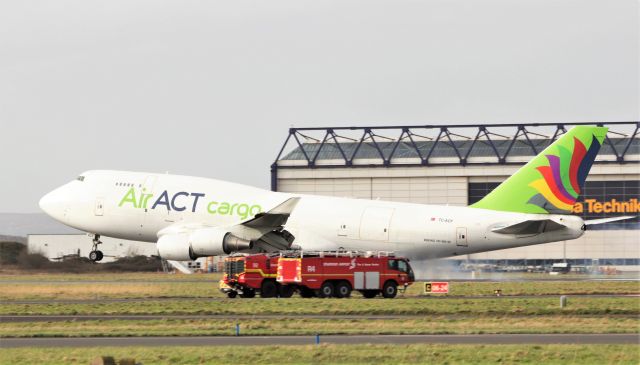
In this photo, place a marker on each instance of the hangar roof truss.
(442, 144)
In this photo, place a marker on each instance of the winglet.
(276, 217)
(286, 207)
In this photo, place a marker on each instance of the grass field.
(162, 294)
(292, 306)
(332, 354)
(152, 285)
(312, 326)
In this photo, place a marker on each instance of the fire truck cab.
(316, 274)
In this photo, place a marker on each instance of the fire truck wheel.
(232, 294)
(286, 291)
(268, 289)
(369, 293)
(326, 290)
(306, 292)
(343, 289)
(390, 289)
(248, 293)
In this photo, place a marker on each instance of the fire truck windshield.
(401, 265)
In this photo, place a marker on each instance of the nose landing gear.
(95, 254)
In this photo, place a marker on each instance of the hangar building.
(460, 164)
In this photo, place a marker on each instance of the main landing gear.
(95, 254)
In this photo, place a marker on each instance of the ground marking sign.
(436, 287)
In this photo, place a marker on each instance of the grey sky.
(209, 88)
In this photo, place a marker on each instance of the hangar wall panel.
(449, 185)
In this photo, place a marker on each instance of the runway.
(308, 340)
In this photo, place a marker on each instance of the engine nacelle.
(200, 243)
(214, 242)
(175, 247)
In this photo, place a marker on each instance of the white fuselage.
(136, 206)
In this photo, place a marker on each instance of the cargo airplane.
(191, 217)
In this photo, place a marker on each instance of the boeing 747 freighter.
(191, 217)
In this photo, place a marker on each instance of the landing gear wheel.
(95, 256)
(343, 290)
(286, 291)
(369, 293)
(326, 290)
(390, 289)
(268, 289)
(232, 294)
(248, 293)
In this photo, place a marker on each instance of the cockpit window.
(80, 178)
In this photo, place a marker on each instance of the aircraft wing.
(530, 227)
(265, 230)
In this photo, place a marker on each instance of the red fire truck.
(322, 274)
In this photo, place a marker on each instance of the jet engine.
(175, 247)
(200, 243)
(214, 242)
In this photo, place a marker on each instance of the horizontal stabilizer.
(530, 227)
(593, 222)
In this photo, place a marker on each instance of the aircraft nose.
(53, 204)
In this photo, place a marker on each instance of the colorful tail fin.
(552, 181)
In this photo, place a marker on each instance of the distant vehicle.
(316, 274)
(560, 268)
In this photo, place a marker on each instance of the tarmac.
(517, 339)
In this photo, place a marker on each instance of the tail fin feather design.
(552, 181)
(578, 155)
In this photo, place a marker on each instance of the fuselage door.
(150, 224)
(375, 222)
(461, 236)
(147, 191)
(99, 207)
